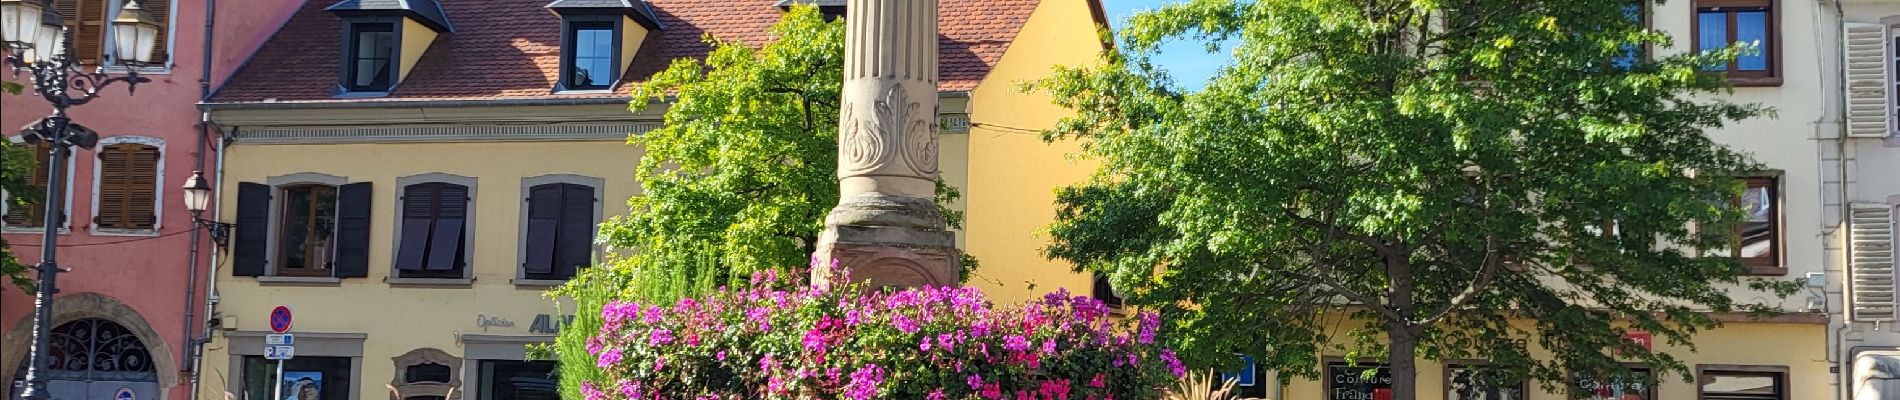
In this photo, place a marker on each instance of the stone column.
(886, 227)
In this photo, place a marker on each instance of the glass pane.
(1717, 383)
(518, 380)
(593, 57)
(305, 378)
(1464, 385)
(1757, 233)
(1712, 33)
(1751, 27)
(1595, 388)
(294, 229)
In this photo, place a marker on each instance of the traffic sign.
(280, 339)
(125, 393)
(279, 352)
(280, 319)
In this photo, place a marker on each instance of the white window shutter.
(1870, 261)
(1869, 104)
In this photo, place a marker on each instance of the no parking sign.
(125, 393)
(280, 319)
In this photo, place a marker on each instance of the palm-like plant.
(1199, 385)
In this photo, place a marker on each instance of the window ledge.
(97, 231)
(299, 281)
(160, 70)
(347, 94)
(430, 282)
(538, 283)
(32, 230)
(1755, 82)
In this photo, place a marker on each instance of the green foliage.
(16, 173)
(1446, 167)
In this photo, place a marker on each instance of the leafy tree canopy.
(16, 171)
(1426, 179)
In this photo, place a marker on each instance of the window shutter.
(141, 185)
(417, 215)
(352, 230)
(445, 242)
(87, 20)
(112, 195)
(1871, 261)
(253, 229)
(161, 12)
(1870, 107)
(544, 217)
(577, 228)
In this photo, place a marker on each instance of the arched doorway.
(95, 358)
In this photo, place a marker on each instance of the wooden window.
(1757, 240)
(306, 230)
(434, 231)
(1465, 382)
(89, 21)
(1719, 23)
(128, 187)
(1742, 382)
(372, 61)
(32, 214)
(560, 230)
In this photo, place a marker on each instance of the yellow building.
(408, 178)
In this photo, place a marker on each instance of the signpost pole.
(278, 392)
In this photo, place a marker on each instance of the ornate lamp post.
(39, 43)
(197, 200)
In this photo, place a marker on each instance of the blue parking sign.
(1247, 375)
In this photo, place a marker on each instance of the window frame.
(1890, 68)
(66, 224)
(468, 229)
(568, 28)
(1646, 14)
(346, 70)
(273, 237)
(1326, 364)
(521, 228)
(1523, 386)
(1770, 77)
(427, 355)
(1772, 264)
(1778, 372)
(309, 344)
(1573, 390)
(98, 178)
(282, 198)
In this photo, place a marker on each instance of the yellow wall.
(415, 41)
(399, 319)
(632, 35)
(1013, 173)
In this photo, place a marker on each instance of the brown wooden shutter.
(127, 192)
(161, 12)
(87, 19)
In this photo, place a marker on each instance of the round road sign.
(125, 393)
(280, 319)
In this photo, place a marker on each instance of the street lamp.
(38, 42)
(197, 199)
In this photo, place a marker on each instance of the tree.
(16, 171)
(737, 180)
(1455, 179)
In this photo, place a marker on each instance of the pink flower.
(721, 355)
(608, 358)
(1099, 380)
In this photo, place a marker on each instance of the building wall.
(1860, 170)
(1013, 172)
(144, 276)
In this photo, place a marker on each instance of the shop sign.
(1612, 388)
(1347, 382)
(544, 323)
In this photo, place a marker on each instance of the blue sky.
(1186, 60)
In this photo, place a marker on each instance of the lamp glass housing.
(20, 21)
(135, 35)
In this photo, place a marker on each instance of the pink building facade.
(127, 313)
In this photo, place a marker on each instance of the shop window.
(305, 378)
(518, 380)
(1352, 381)
(1463, 382)
(427, 374)
(1742, 382)
(1638, 384)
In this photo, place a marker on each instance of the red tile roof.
(510, 48)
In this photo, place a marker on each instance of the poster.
(303, 385)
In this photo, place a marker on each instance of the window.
(518, 380)
(306, 230)
(559, 230)
(432, 241)
(89, 21)
(372, 50)
(1105, 292)
(1757, 240)
(427, 374)
(1719, 23)
(1350, 381)
(302, 225)
(1742, 382)
(1638, 385)
(126, 186)
(1638, 13)
(1465, 383)
(590, 50)
(305, 377)
(33, 213)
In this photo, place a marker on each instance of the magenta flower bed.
(850, 343)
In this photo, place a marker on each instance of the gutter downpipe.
(1837, 342)
(196, 342)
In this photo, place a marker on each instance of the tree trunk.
(1403, 360)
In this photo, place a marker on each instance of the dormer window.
(383, 41)
(372, 57)
(599, 39)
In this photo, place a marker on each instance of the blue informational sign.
(280, 319)
(1247, 376)
(125, 393)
